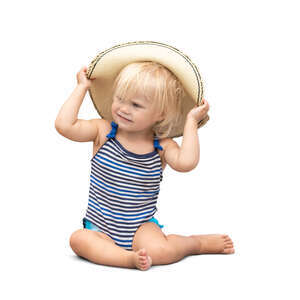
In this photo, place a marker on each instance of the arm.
(67, 123)
(186, 157)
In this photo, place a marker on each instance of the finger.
(204, 103)
(200, 103)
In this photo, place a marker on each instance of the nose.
(124, 109)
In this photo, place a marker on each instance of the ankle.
(130, 259)
(196, 244)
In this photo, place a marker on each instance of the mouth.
(122, 118)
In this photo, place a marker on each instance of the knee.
(161, 252)
(76, 240)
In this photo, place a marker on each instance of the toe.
(228, 251)
(228, 243)
(142, 251)
(142, 260)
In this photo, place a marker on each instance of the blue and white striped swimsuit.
(124, 188)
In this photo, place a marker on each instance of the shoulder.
(167, 143)
(104, 128)
(102, 123)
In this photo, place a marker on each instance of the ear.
(161, 117)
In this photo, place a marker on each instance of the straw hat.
(107, 64)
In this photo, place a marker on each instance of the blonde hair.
(158, 84)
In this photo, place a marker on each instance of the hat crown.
(107, 65)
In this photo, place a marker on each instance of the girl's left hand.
(198, 113)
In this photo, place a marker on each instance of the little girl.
(130, 153)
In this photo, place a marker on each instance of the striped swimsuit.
(124, 188)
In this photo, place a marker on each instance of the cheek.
(113, 107)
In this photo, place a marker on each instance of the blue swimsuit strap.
(157, 145)
(154, 220)
(113, 132)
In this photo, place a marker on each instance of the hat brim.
(107, 65)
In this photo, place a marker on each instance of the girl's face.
(134, 114)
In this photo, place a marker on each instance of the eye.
(136, 105)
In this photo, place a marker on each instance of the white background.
(245, 184)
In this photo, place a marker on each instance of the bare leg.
(200, 244)
(179, 246)
(100, 249)
(213, 244)
(162, 249)
(166, 249)
(173, 249)
(183, 246)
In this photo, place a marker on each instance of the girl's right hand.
(82, 79)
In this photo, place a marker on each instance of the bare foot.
(213, 243)
(141, 260)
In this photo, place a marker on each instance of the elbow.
(192, 165)
(56, 126)
(57, 123)
(188, 167)
(60, 128)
